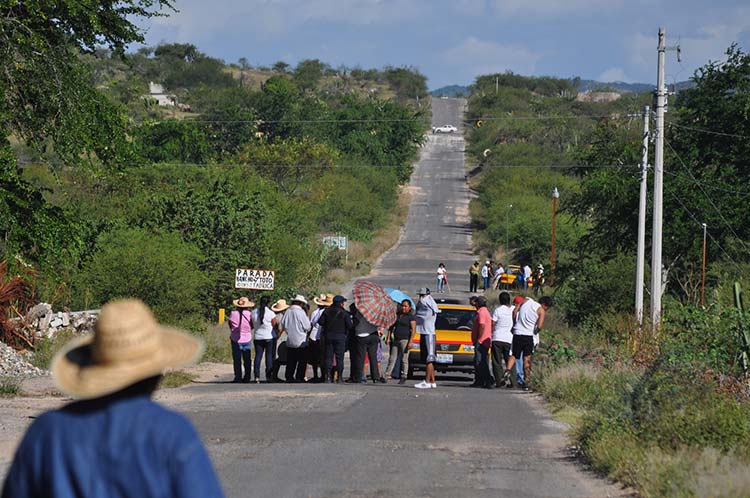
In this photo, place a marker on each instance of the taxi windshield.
(455, 319)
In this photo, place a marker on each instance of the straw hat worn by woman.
(241, 338)
(115, 441)
(279, 307)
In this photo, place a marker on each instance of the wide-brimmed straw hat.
(243, 302)
(323, 300)
(279, 305)
(128, 345)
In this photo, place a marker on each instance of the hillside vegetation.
(107, 194)
(667, 412)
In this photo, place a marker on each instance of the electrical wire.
(710, 200)
(708, 132)
(742, 193)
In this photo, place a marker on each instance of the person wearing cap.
(296, 324)
(335, 325)
(427, 311)
(264, 320)
(474, 276)
(481, 337)
(486, 272)
(241, 338)
(400, 336)
(528, 321)
(316, 347)
(502, 338)
(279, 350)
(114, 440)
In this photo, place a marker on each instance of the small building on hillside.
(595, 96)
(156, 92)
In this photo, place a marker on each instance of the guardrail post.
(221, 316)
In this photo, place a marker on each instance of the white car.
(444, 129)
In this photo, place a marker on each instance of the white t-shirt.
(440, 273)
(527, 318)
(527, 272)
(315, 333)
(485, 271)
(502, 318)
(263, 331)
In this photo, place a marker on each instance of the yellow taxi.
(453, 347)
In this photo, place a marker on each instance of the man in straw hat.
(241, 338)
(296, 324)
(115, 441)
(316, 346)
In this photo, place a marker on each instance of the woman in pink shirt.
(241, 337)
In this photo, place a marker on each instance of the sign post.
(339, 242)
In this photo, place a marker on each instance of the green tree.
(308, 73)
(173, 141)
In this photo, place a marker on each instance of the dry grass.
(176, 379)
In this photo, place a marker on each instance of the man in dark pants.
(474, 276)
(335, 324)
(366, 336)
(296, 324)
(481, 337)
(502, 338)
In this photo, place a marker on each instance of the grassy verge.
(662, 430)
(176, 378)
(9, 387)
(46, 349)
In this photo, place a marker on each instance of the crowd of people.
(495, 276)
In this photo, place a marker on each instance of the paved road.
(393, 440)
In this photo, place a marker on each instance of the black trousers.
(334, 346)
(473, 282)
(367, 346)
(296, 364)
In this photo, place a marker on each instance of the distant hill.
(621, 86)
(451, 91)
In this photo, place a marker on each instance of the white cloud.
(474, 57)
(613, 74)
(552, 8)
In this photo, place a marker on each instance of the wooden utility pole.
(656, 263)
(555, 196)
(641, 253)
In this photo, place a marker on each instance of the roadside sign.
(337, 241)
(250, 278)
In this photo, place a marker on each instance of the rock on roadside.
(13, 364)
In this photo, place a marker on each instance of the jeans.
(482, 375)
(473, 282)
(241, 353)
(367, 346)
(296, 364)
(441, 285)
(263, 346)
(486, 281)
(519, 369)
(334, 345)
(400, 350)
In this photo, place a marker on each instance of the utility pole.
(641, 255)
(507, 234)
(656, 263)
(555, 196)
(497, 84)
(703, 269)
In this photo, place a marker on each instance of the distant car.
(454, 349)
(444, 129)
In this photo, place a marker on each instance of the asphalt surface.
(323, 440)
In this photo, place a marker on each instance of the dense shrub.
(157, 267)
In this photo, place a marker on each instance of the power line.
(715, 187)
(707, 131)
(710, 200)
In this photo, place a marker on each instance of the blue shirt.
(127, 447)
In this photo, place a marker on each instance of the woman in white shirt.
(442, 277)
(264, 319)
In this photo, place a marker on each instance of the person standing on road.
(400, 336)
(427, 311)
(264, 320)
(366, 337)
(498, 278)
(296, 324)
(115, 441)
(335, 324)
(528, 321)
(486, 276)
(442, 277)
(474, 276)
(316, 348)
(502, 338)
(279, 308)
(241, 337)
(481, 337)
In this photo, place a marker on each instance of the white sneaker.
(423, 385)
(433, 385)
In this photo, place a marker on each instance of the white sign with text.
(249, 278)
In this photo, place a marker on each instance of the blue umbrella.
(399, 295)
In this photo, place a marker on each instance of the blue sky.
(452, 42)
